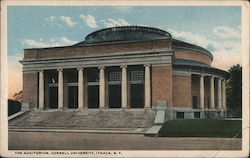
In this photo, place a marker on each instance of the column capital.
(40, 70)
(123, 66)
(212, 76)
(202, 75)
(101, 67)
(60, 69)
(146, 65)
(80, 68)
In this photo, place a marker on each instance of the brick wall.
(95, 49)
(182, 91)
(161, 84)
(30, 88)
(191, 55)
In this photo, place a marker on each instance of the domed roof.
(126, 33)
(137, 33)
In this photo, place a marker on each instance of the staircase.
(160, 119)
(212, 115)
(230, 113)
(85, 119)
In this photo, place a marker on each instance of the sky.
(216, 28)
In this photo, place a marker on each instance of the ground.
(98, 141)
(105, 130)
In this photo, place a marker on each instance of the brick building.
(125, 67)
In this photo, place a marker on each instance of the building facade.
(125, 67)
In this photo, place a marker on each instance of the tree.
(234, 89)
(18, 96)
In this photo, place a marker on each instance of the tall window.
(93, 76)
(207, 102)
(195, 101)
(53, 77)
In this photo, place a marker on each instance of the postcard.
(124, 78)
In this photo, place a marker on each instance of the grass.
(202, 128)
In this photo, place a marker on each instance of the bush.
(202, 128)
(13, 107)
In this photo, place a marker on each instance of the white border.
(136, 153)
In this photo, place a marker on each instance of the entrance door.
(53, 98)
(93, 96)
(72, 97)
(137, 95)
(115, 96)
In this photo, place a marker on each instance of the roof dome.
(126, 33)
(137, 33)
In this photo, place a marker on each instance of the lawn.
(202, 128)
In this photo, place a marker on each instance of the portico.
(207, 95)
(112, 83)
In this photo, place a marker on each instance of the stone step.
(159, 118)
(153, 131)
(86, 119)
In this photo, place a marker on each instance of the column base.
(219, 109)
(80, 108)
(102, 108)
(124, 108)
(60, 108)
(213, 109)
(39, 109)
(147, 108)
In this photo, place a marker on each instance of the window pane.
(136, 75)
(93, 77)
(53, 77)
(180, 115)
(115, 76)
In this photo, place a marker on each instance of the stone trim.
(181, 73)
(114, 55)
(201, 70)
(130, 59)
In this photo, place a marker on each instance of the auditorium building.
(128, 67)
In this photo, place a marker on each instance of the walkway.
(94, 141)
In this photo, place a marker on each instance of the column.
(124, 87)
(212, 92)
(219, 93)
(202, 91)
(224, 94)
(41, 89)
(60, 88)
(80, 88)
(147, 87)
(102, 88)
